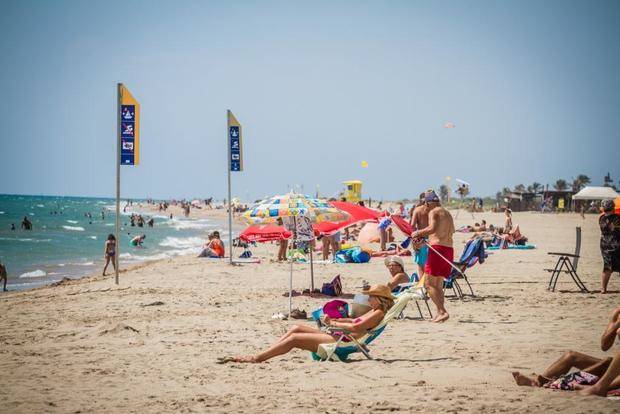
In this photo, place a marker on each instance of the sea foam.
(34, 273)
(73, 228)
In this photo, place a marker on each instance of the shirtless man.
(439, 231)
(419, 221)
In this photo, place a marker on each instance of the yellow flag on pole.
(235, 143)
(130, 128)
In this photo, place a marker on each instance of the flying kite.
(449, 125)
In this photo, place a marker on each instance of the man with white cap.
(439, 262)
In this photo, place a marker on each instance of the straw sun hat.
(379, 290)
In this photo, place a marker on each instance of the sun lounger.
(340, 350)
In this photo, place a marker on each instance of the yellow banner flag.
(130, 127)
(235, 143)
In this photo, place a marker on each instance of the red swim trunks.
(435, 265)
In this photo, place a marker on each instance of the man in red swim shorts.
(440, 253)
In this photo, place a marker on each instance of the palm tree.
(536, 187)
(560, 185)
(506, 191)
(520, 188)
(443, 192)
(581, 181)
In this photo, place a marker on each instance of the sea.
(68, 236)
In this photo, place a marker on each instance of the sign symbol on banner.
(127, 129)
(234, 132)
(235, 157)
(128, 146)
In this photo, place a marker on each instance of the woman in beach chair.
(309, 338)
(396, 267)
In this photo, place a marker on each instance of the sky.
(532, 87)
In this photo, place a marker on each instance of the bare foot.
(593, 390)
(442, 318)
(251, 359)
(522, 380)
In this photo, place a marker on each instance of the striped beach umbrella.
(293, 205)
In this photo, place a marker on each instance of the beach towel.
(514, 247)
(352, 255)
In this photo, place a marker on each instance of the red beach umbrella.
(264, 232)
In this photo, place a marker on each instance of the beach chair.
(566, 265)
(472, 253)
(340, 350)
(415, 287)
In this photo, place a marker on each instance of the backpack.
(333, 288)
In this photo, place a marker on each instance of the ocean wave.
(190, 224)
(73, 228)
(92, 237)
(182, 242)
(34, 273)
(1, 212)
(72, 221)
(40, 205)
(32, 214)
(26, 240)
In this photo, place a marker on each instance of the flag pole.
(119, 93)
(230, 244)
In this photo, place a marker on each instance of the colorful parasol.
(293, 205)
(264, 232)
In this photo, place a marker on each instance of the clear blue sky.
(533, 88)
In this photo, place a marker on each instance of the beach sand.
(151, 343)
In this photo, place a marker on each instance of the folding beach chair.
(417, 289)
(566, 265)
(340, 350)
(472, 253)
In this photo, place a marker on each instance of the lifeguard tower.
(353, 191)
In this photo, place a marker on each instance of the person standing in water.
(110, 252)
(3, 276)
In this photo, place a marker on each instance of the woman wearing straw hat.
(380, 300)
(609, 222)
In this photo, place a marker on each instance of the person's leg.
(382, 239)
(561, 367)
(4, 277)
(307, 341)
(325, 246)
(607, 380)
(298, 329)
(605, 275)
(434, 287)
(107, 262)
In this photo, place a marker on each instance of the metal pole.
(119, 93)
(230, 244)
(311, 268)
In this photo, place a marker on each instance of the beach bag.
(245, 255)
(333, 288)
(336, 309)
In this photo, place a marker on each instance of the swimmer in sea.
(138, 240)
(110, 252)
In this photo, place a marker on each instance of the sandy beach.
(151, 343)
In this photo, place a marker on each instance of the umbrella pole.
(290, 289)
(311, 268)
